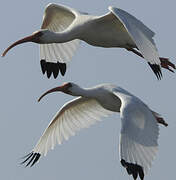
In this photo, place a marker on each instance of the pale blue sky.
(93, 153)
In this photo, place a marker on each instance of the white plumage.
(58, 19)
(92, 29)
(73, 116)
(63, 28)
(139, 132)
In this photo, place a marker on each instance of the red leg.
(159, 119)
(165, 63)
(135, 52)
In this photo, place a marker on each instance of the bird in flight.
(139, 132)
(63, 28)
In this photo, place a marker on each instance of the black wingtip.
(31, 158)
(43, 66)
(133, 169)
(62, 67)
(157, 70)
(50, 67)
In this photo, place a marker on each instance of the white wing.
(140, 33)
(139, 135)
(57, 18)
(73, 116)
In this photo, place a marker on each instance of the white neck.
(61, 37)
(84, 92)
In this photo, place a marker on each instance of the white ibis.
(63, 28)
(139, 132)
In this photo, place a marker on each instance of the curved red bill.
(60, 88)
(26, 39)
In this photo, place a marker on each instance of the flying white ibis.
(139, 133)
(63, 28)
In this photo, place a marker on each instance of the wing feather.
(139, 134)
(141, 34)
(58, 18)
(73, 116)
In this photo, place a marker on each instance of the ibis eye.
(39, 33)
(69, 85)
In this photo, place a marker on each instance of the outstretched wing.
(139, 136)
(73, 116)
(142, 36)
(54, 56)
